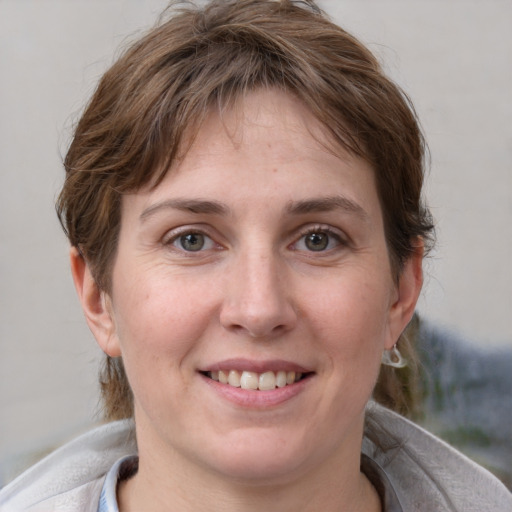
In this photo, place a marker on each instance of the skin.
(261, 179)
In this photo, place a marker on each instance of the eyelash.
(170, 239)
(333, 235)
(320, 229)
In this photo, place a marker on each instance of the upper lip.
(251, 365)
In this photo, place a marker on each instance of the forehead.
(250, 118)
(268, 142)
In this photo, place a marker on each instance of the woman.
(243, 202)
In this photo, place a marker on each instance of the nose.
(258, 300)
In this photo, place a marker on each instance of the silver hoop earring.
(393, 358)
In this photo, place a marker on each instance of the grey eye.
(191, 241)
(317, 241)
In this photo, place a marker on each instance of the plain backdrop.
(454, 58)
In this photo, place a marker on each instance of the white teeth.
(251, 380)
(281, 379)
(267, 381)
(234, 379)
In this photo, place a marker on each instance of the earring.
(393, 358)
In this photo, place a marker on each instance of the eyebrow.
(198, 206)
(302, 207)
(326, 204)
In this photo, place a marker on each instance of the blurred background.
(454, 59)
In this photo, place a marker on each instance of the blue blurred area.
(467, 396)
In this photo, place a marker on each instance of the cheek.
(158, 327)
(351, 324)
(159, 320)
(352, 316)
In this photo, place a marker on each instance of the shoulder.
(427, 473)
(71, 477)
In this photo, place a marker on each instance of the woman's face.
(260, 256)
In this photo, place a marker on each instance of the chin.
(262, 457)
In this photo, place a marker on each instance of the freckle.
(274, 170)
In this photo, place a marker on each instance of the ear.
(408, 290)
(96, 305)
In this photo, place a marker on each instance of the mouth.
(264, 381)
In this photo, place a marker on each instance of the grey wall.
(453, 57)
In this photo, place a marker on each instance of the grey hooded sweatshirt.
(414, 471)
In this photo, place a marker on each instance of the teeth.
(249, 380)
(252, 380)
(281, 379)
(267, 381)
(234, 379)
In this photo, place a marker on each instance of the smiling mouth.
(265, 381)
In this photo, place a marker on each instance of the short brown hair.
(162, 87)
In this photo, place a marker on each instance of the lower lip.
(255, 399)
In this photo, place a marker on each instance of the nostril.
(263, 331)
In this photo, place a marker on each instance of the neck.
(330, 487)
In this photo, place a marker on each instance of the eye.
(192, 242)
(318, 240)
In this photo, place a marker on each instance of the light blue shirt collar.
(108, 497)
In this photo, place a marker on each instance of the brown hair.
(162, 87)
